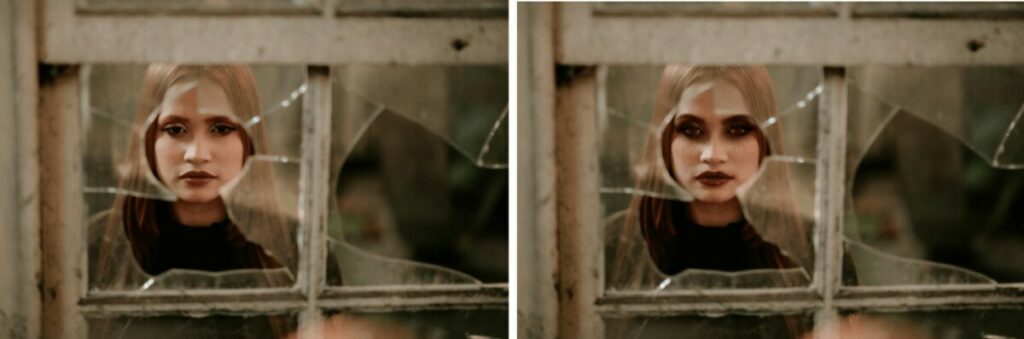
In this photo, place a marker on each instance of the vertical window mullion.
(62, 237)
(537, 224)
(314, 190)
(578, 203)
(829, 185)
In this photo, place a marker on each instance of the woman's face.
(198, 143)
(714, 143)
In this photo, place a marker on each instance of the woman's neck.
(199, 214)
(715, 214)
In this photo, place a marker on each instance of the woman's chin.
(716, 196)
(197, 197)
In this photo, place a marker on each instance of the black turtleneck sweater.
(217, 247)
(734, 247)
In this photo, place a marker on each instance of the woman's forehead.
(199, 96)
(715, 97)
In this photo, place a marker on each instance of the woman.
(709, 144)
(190, 146)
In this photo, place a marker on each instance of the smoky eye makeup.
(688, 125)
(222, 128)
(739, 126)
(172, 125)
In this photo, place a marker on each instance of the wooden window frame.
(320, 39)
(584, 37)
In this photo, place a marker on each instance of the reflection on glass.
(416, 325)
(185, 191)
(418, 164)
(935, 157)
(715, 195)
(213, 326)
(711, 326)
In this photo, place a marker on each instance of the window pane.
(736, 209)
(417, 325)
(935, 159)
(205, 326)
(710, 326)
(191, 175)
(419, 164)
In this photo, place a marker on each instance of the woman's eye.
(174, 129)
(740, 130)
(223, 129)
(690, 130)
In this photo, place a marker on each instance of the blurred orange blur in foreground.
(863, 327)
(348, 327)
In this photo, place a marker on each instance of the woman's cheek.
(165, 151)
(747, 157)
(234, 155)
(685, 158)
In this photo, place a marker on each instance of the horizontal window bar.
(590, 40)
(718, 10)
(170, 9)
(420, 303)
(709, 293)
(911, 303)
(491, 288)
(166, 304)
(705, 307)
(70, 38)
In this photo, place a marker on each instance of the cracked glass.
(935, 175)
(195, 326)
(191, 175)
(419, 161)
(707, 176)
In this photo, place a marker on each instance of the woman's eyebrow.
(738, 118)
(220, 118)
(683, 117)
(171, 117)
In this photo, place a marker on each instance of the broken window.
(419, 158)
(327, 217)
(935, 159)
(168, 145)
(902, 155)
(648, 127)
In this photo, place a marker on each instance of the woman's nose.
(198, 150)
(714, 152)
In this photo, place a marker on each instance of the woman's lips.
(197, 178)
(713, 179)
